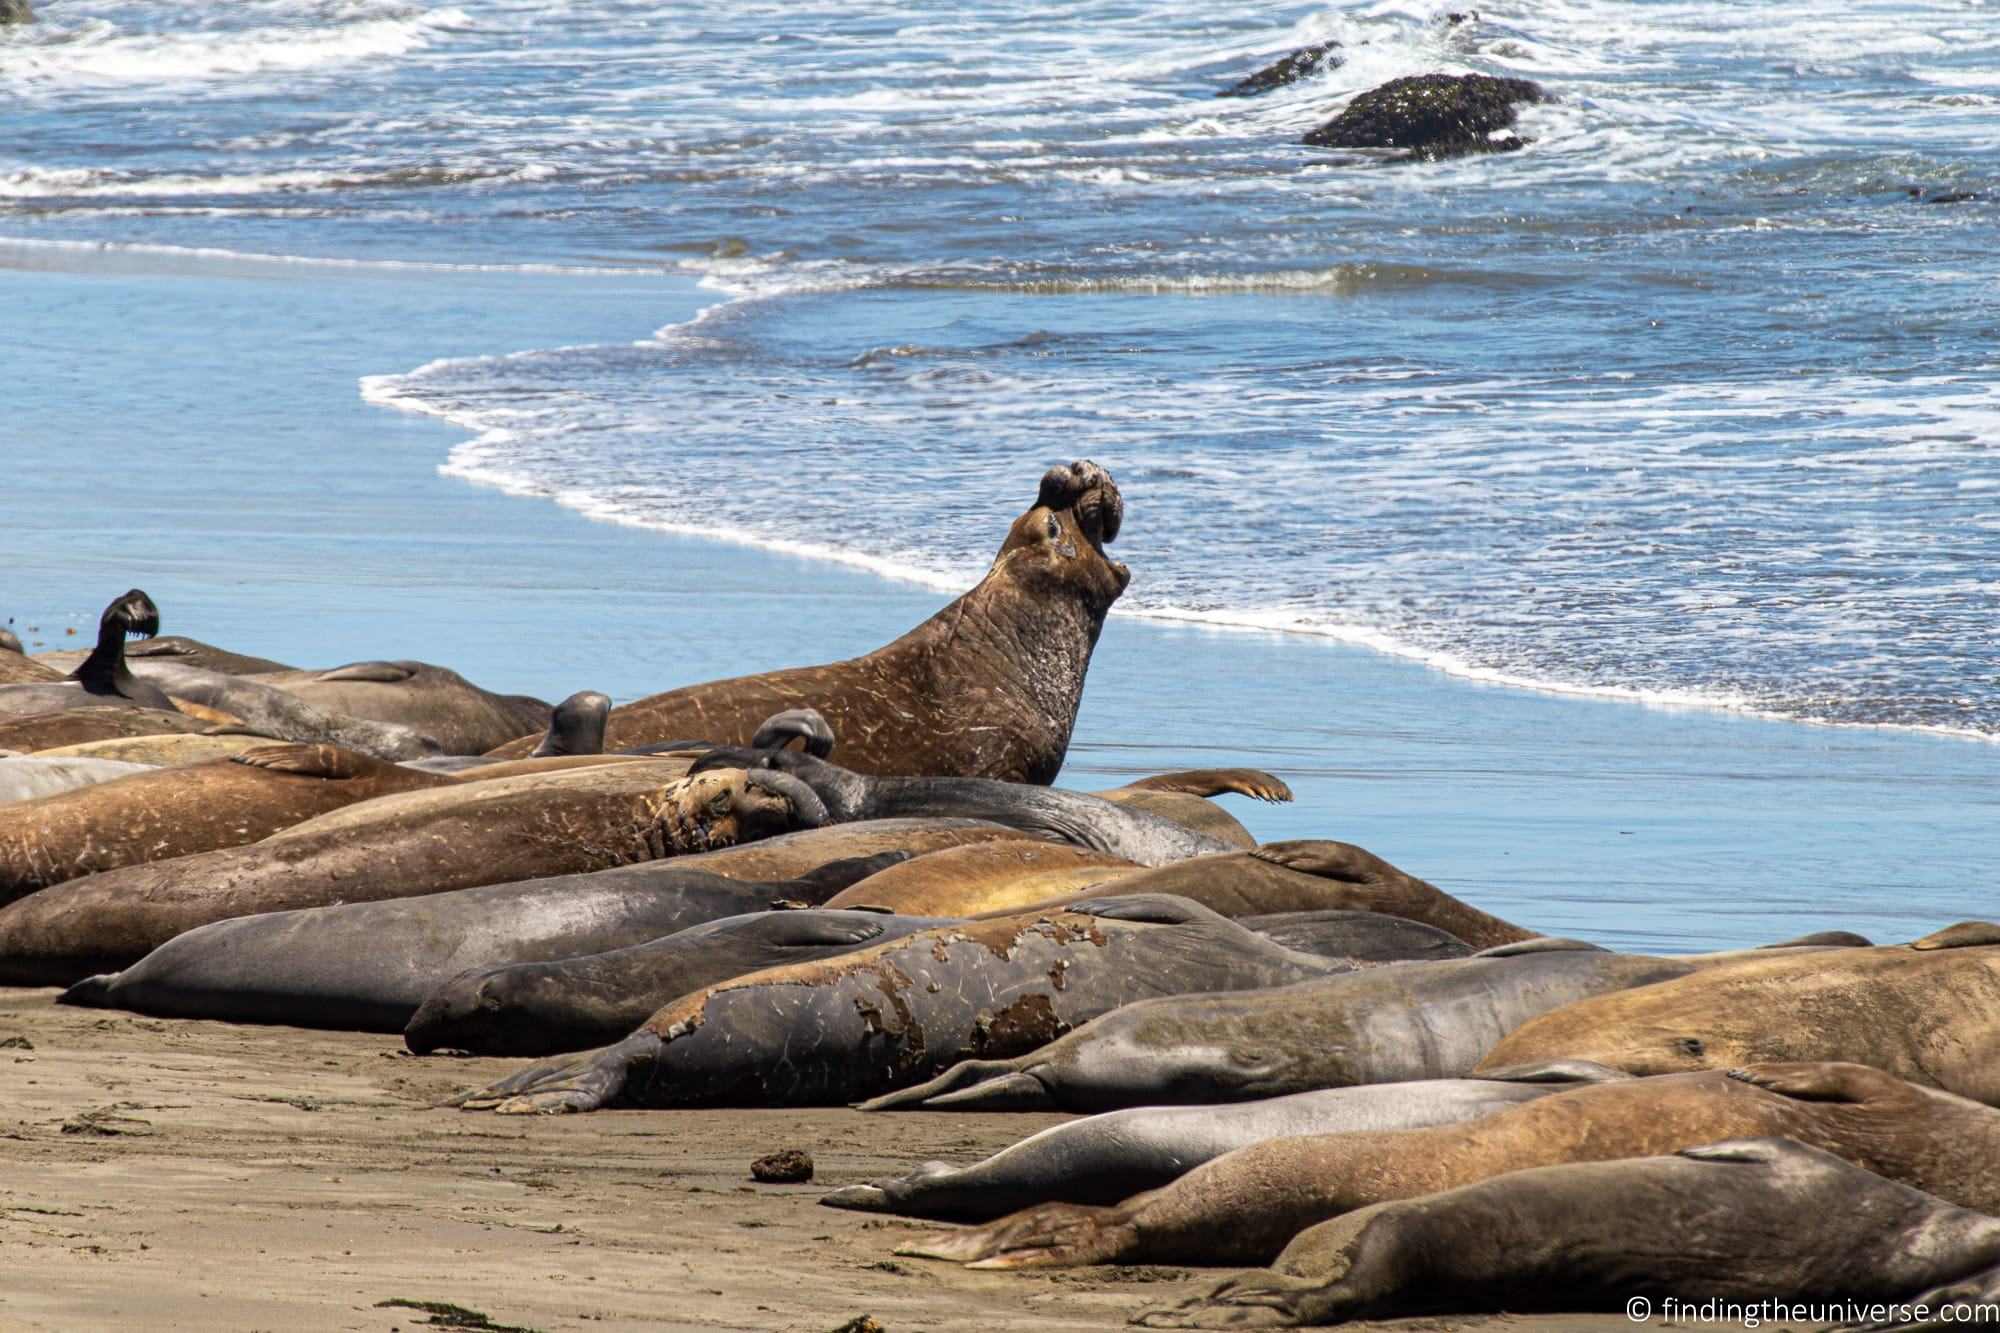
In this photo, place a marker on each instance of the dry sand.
(167, 1174)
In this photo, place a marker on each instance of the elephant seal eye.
(1055, 528)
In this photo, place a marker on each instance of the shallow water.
(1691, 399)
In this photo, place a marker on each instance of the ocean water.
(1696, 399)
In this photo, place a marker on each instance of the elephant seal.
(575, 1003)
(1311, 875)
(156, 814)
(273, 712)
(1382, 1025)
(1928, 1012)
(790, 855)
(188, 652)
(29, 777)
(1747, 1221)
(433, 700)
(576, 727)
(456, 836)
(1073, 817)
(1243, 1207)
(901, 1011)
(1107, 1158)
(169, 750)
(102, 675)
(987, 687)
(983, 877)
(1361, 938)
(17, 668)
(368, 966)
(1182, 797)
(10, 642)
(85, 723)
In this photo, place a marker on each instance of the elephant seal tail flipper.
(1824, 1081)
(576, 726)
(1047, 1235)
(823, 881)
(970, 1085)
(308, 760)
(795, 724)
(381, 673)
(585, 1082)
(1556, 1071)
(1251, 782)
(91, 992)
(1964, 935)
(1980, 1289)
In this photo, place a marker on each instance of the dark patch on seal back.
(1024, 1025)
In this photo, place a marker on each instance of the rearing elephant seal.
(1074, 817)
(1747, 1221)
(1244, 1206)
(1928, 1012)
(103, 675)
(433, 700)
(899, 1011)
(161, 813)
(455, 836)
(987, 687)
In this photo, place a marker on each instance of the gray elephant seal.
(273, 712)
(1105, 1158)
(28, 777)
(1183, 797)
(575, 1003)
(1073, 817)
(1244, 1207)
(367, 966)
(1382, 1025)
(432, 700)
(1746, 1221)
(576, 727)
(1360, 938)
(899, 1011)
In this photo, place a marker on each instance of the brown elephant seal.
(102, 676)
(1183, 798)
(269, 711)
(983, 877)
(899, 1012)
(1928, 1012)
(1074, 817)
(1103, 1159)
(790, 855)
(85, 723)
(157, 814)
(1314, 875)
(368, 966)
(16, 668)
(988, 687)
(1380, 1025)
(188, 652)
(455, 836)
(1242, 1208)
(1748, 1221)
(162, 751)
(433, 700)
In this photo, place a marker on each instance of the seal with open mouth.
(103, 676)
(987, 687)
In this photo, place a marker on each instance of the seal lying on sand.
(29, 777)
(273, 712)
(1383, 1025)
(1928, 1012)
(456, 836)
(1314, 875)
(987, 687)
(94, 722)
(1245, 1206)
(433, 700)
(155, 814)
(1077, 818)
(986, 877)
(1110, 1157)
(902, 1010)
(101, 676)
(367, 966)
(1749, 1221)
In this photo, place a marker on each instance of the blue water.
(1692, 400)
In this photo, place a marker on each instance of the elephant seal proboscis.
(1077, 818)
(156, 814)
(1103, 1159)
(1314, 875)
(1183, 798)
(102, 676)
(432, 700)
(1382, 1025)
(982, 878)
(30, 777)
(368, 966)
(575, 1003)
(988, 687)
(1244, 1206)
(269, 711)
(1928, 1012)
(456, 836)
(1748, 1221)
(898, 1012)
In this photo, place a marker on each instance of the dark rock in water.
(16, 11)
(1300, 64)
(788, 1166)
(1431, 116)
(1952, 197)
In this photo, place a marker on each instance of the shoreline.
(265, 505)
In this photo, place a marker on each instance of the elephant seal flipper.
(1250, 782)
